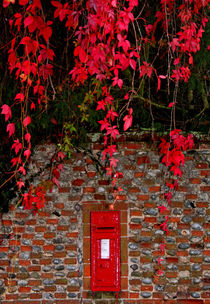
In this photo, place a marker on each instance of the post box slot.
(105, 228)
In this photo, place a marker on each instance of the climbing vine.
(118, 49)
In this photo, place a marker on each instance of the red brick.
(205, 173)
(62, 228)
(89, 190)
(134, 295)
(146, 288)
(86, 270)
(59, 206)
(49, 247)
(139, 174)
(91, 174)
(79, 168)
(150, 219)
(40, 229)
(134, 190)
(78, 182)
(49, 235)
(24, 262)
(129, 152)
(142, 160)
(64, 189)
(154, 189)
(191, 196)
(52, 221)
(202, 166)
(60, 295)
(205, 188)
(143, 197)
(195, 181)
(24, 289)
(189, 301)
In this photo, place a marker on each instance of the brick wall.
(46, 258)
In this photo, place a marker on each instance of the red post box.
(105, 251)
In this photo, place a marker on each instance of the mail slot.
(105, 251)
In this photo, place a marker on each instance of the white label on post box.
(105, 251)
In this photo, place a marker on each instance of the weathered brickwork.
(45, 259)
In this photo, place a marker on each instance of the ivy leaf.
(27, 121)
(11, 128)
(171, 104)
(128, 120)
(113, 131)
(22, 169)
(19, 96)
(16, 160)
(23, 2)
(61, 155)
(7, 2)
(104, 124)
(20, 184)
(27, 153)
(33, 106)
(113, 162)
(6, 110)
(29, 20)
(17, 146)
(28, 137)
(56, 182)
(177, 171)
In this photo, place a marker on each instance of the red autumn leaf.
(176, 170)
(56, 173)
(171, 104)
(128, 120)
(56, 182)
(28, 21)
(113, 162)
(22, 169)
(162, 209)
(17, 146)
(133, 64)
(174, 44)
(6, 110)
(176, 61)
(113, 131)
(32, 106)
(20, 184)
(104, 124)
(146, 69)
(7, 2)
(112, 114)
(27, 121)
(101, 105)
(61, 155)
(126, 97)
(27, 137)
(191, 60)
(60, 167)
(19, 96)
(54, 121)
(23, 2)
(82, 54)
(114, 3)
(160, 260)
(16, 160)
(46, 33)
(11, 128)
(27, 153)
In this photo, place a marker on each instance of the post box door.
(105, 251)
(105, 274)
